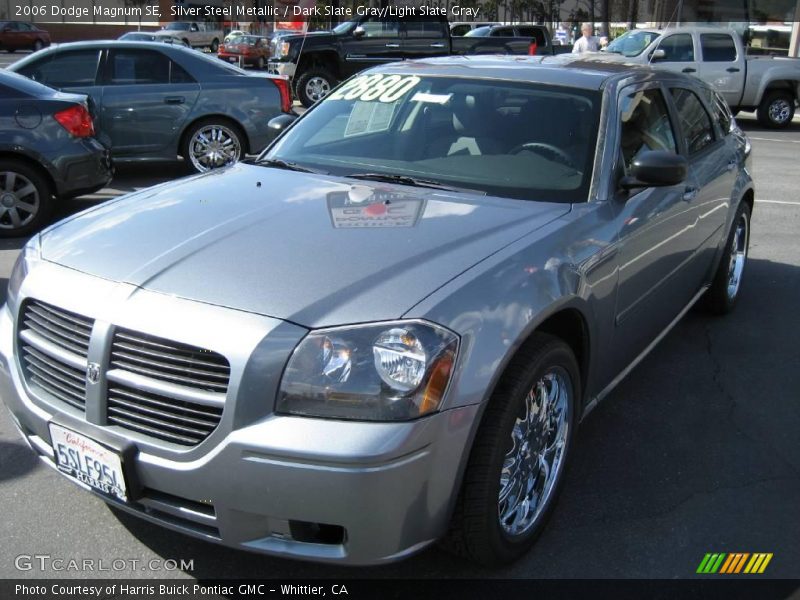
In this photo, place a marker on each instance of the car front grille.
(177, 421)
(54, 345)
(164, 389)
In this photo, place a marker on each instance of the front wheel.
(776, 109)
(215, 46)
(313, 85)
(516, 466)
(721, 297)
(25, 199)
(212, 144)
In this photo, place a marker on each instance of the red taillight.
(532, 48)
(286, 95)
(77, 120)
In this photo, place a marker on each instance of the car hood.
(312, 249)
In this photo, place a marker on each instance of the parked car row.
(420, 288)
(19, 35)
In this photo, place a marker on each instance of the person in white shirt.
(587, 43)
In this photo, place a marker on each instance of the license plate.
(233, 59)
(88, 462)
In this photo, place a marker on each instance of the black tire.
(719, 299)
(475, 529)
(215, 45)
(37, 45)
(30, 221)
(186, 41)
(776, 109)
(304, 82)
(230, 128)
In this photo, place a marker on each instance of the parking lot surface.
(696, 451)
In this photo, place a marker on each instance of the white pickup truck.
(769, 85)
(197, 34)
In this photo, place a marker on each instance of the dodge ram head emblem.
(92, 372)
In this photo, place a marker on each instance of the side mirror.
(281, 122)
(194, 27)
(658, 54)
(655, 168)
(359, 32)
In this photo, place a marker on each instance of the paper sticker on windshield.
(377, 87)
(369, 117)
(432, 98)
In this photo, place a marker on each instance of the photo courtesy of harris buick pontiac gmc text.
(382, 331)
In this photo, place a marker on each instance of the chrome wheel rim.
(19, 200)
(780, 110)
(317, 88)
(534, 461)
(214, 146)
(738, 256)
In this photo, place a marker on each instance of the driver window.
(375, 27)
(677, 48)
(645, 125)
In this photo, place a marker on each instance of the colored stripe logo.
(734, 563)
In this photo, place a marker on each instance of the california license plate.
(88, 462)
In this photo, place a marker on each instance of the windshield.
(177, 26)
(632, 43)
(511, 139)
(479, 32)
(342, 28)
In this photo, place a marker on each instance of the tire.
(215, 45)
(26, 201)
(185, 41)
(37, 45)
(776, 109)
(478, 530)
(218, 153)
(721, 297)
(314, 84)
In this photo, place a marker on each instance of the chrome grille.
(169, 361)
(165, 389)
(54, 344)
(177, 421)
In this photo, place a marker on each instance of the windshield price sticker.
(377, 87)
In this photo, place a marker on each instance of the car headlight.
(283, 49)
(392, 371)
(27, 258)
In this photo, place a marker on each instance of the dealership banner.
(300, 12)
(388, 589)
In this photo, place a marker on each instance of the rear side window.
(678, 48)
(718, 47)
(695, 122)
(460, 30)
(645, 124)
(137, 67)
(503, 32)
(533, 32)
(424, 29)
(77, 68)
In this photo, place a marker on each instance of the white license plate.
(233, 59)
(88, 462)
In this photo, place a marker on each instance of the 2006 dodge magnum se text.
(385, 330)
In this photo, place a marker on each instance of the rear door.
(147, 98)
(424, 38)
(720, 66)
(680, 54)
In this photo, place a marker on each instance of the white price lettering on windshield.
(383, 88)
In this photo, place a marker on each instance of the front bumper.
(260, 481)
(287, 69)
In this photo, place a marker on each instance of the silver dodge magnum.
(385, 330)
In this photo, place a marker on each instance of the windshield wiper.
(413, 181)
(285, 164)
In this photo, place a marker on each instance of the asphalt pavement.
(696, 451)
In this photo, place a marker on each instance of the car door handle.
(689, 194)
(437, 45)
(732, 69)
(174, 100)
(392, 45)
(689, 70)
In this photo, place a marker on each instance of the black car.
(47, 151)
